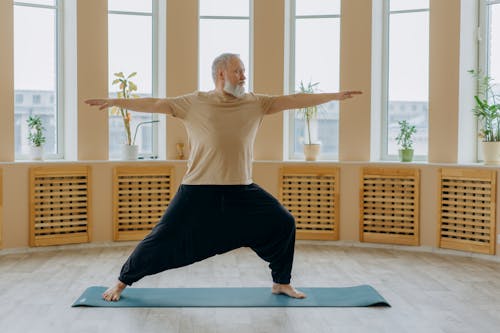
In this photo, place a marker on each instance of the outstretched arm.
(150, 105)
(297, 101)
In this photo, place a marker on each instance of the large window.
(406, 79)
(491, 59)
(314, 58)
(132, 46)
(224, 27)
(36, 71)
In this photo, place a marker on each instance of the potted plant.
(311, 150)
(36, 137)
(487, 111)
(405, 140)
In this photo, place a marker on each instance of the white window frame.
(249, 69)
(290, 86)
(58, 6)
(155, 73)
(483, 53)
(385, 156)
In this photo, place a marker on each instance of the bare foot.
(113, 293)
(288, 290)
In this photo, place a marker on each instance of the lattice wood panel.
(389, 200)
(141, 195)
(311, 194)
(59, 205)
(467, 210)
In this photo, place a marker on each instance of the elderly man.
(217, 207)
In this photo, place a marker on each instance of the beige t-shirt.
(221, 132)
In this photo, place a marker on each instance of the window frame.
(250, 18)
(290, 87)
(384, 137)
(154, 74)
(59, 68)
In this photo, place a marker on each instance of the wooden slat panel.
(59, 205)
(140, 197)
(389, 205)
(311, 195)
(467, 216)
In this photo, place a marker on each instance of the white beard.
(237, 90)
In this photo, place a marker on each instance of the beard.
(237, 90)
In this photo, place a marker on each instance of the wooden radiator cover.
(311, 194)
(389, 199)
(140, 197)
(59, 205)
(467, 210)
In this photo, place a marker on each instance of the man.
(218, 208)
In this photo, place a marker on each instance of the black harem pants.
(204, 220)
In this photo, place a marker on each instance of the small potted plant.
(36, 137)
(311, 150)
(487, 111)
(129, 149)
(405, 140)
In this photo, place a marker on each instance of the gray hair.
(221, 62)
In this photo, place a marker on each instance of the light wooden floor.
(428, 292)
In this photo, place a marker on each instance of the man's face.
(235, 72)
(234, 78)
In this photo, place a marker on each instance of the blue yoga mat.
(363, 295)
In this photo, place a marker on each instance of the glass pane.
(124, 31)
(224, 8)
(35, 75)
(408, 78)
(408, 5)
(39, 2)
(317, 7)
(494, 45)
(318, 62)
(236, 40)
(143, 6)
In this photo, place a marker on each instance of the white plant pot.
(36, 153)
(491, 152)
(311, 151)
(129, 152)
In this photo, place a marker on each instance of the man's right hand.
(102, 103)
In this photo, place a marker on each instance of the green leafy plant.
(126, 89)
(487, 110)
(35, 137)
(405, 136)
(311, 112)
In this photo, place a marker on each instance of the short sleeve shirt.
(221, 131)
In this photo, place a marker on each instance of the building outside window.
(230, 19)
(315, 58)
(406, 77)
(36, 82)
(132, 47)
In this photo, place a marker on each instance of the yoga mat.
(362, 295)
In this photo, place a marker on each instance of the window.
(491, 59)
(312, 60)
(230, 19)
(131, 42)
(19, 99)
(406, 77)
(36, 74)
